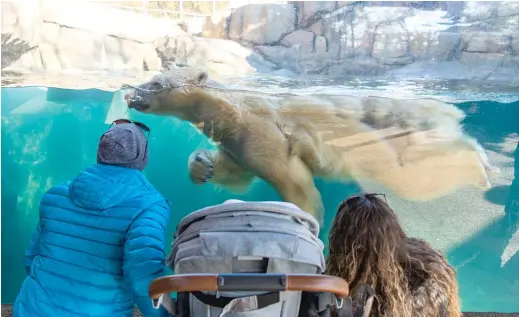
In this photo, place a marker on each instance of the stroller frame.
(319, 284)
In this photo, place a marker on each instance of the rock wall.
(82, 35)
(449, 40)
(456, 40)
(65, 36)
(445, 40)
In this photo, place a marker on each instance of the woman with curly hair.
(410, 278)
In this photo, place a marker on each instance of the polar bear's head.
(169, 93)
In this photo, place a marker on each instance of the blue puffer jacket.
(99, 243)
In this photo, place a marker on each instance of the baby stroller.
(253, 259)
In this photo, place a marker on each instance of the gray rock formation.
(261, 23)
(216, 55)
(442, 40)
(56, 35)
(445, 40)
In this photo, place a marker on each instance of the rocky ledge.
(438, 40)
(448, 40)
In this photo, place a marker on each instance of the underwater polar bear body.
(416, 148)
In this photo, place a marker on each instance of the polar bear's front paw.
(200, 167)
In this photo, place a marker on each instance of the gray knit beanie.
(123, 145)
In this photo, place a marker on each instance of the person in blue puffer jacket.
(100, 239)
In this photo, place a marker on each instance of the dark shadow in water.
(10, 250)
(14, 237)
(480, 275)
(498, 194)
(478, 259)
(490, 122)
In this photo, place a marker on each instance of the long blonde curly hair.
(368, 245)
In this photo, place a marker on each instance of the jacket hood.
(101, 186)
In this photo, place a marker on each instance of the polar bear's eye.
(155, 86)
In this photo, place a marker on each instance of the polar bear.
(416, 148)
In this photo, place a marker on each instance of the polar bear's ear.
(200, 78)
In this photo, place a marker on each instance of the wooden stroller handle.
(318, 283)
(248, 282)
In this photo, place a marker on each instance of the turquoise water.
(49, 140)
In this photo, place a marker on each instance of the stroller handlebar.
(236, 282)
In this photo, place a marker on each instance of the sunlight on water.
(50, 134)
(449, 91)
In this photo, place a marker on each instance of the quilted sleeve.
(32, 250)
(144, 254)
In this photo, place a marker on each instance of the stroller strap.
(220, 302)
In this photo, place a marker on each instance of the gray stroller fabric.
(248, 237)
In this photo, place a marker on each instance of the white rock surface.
(479, 38)
(297, 37)
(64, 37)
(262, 23)
(486, 42)
(391, 43)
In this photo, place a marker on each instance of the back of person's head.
(123, 145)
(368, 245)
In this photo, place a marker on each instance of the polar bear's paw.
(200, 167)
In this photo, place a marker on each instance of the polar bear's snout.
(140, 97)
(137, 100)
